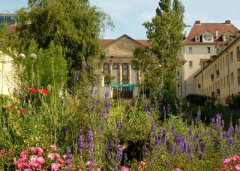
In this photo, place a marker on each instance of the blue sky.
(128, 15)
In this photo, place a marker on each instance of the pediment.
(124, 46)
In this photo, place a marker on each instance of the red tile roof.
(201, 28)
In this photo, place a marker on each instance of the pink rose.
(60, 159)
(27, 169)
(123, 168)
(143, 163)
(177, 169)
(40, 160)
(23, 153)
(20, 164)
(54, 167)
(88, 163)
(228, 160)
(54, 147)
(39, 150)
(237, 167)
(51, 156)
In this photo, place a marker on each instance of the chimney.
(197, 22)
(216, 34)
(227, 22)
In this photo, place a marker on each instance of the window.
(190, 50)
(208, 50)
(197, 38)
(106, 68)
(238, 75)
(227, 80)
(238, 53)
(224, 82)
(190, 64)
(125, 73)
(207, 37)
(232, 78)
(231, 57)
(115, 73)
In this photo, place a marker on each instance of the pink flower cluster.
(141, 167)
(232, 163)
(35, 159)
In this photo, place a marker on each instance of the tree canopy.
(165, 31)
(72, 24)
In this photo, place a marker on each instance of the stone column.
(120, 73)
(110, 70)
(139, 77)
(129, 73)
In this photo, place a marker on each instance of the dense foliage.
(72, 24)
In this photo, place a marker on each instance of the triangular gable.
(123, 46)
(121, 37)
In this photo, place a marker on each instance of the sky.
(129, 15)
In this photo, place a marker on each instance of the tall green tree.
(165, 31)
(72, 24)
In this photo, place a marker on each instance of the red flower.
(32, 90)
(44, 91)
(11, 107)
(23, 110)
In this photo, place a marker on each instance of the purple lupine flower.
(153, 127)
(68, 159)
(222, 124)
(62, 100)
(145, 108)
(160, 97)
(108, 104)
(80, 142)
(198, 135)
(110, 144)
(180, 138)
(145, 150)
(173, 151)
(118, 155)
(156, 138)
(167, 164)
(185, 146)
(173, 130)
(105, 112)
(77, 75)
(209, 133)
(95, 102)
(67, 129)
(202, 145)
(176, 105)
(198, 117)
(164, 113)
(200, 157)
(164, 135)
(91, 147)
(190, 132)
(190, 149)
(106, 95)
(102, 127)
(198, 147)
(87, 64)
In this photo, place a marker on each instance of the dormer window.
(197, 38)
(207, 37)
(227, 36)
